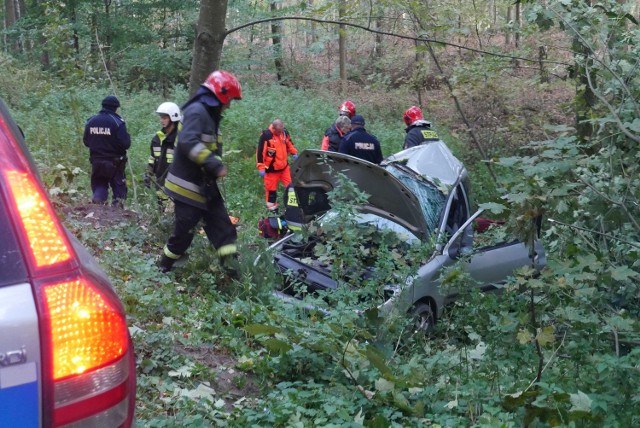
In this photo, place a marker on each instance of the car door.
(489, 265)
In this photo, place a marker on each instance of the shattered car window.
(432, 200)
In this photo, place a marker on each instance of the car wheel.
(424, 319)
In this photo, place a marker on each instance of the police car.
(66, 357)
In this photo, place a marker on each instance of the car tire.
(424, 319)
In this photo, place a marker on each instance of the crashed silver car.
(422, 195)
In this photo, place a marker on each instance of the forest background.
(538, 98)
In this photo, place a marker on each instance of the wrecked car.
(421, 195)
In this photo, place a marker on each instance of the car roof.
(434, 161)
(388, 196)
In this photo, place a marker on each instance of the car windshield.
(432, 201)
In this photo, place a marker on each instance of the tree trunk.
(9, 21)
(276, 39)
(342, 48)
(210, 35)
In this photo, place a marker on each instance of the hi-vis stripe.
(184, 188)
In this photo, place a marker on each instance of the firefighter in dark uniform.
(334, 133)
(106, 136)
(359, 143)
(418, 130)
(162, 147)
(191, 180)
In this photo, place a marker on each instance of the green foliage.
(555, 349)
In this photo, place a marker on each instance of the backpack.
(272, 227)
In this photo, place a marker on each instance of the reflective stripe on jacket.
(200, 143)
(273, 150)
(162, 148)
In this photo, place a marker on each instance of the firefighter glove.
(262, 173)
(214, 167)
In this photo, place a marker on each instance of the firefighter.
(162, 147)
(336, 131)
(106, 136)
(272, 160)
(418, 130)
(359, 143)
(192, 178)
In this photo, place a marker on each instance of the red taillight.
(86, 331)
(45, 238)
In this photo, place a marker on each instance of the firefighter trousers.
(217, 226)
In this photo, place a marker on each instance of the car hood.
(432, 160)
(388, 197)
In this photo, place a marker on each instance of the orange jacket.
(272, 151)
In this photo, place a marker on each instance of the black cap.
(357, 120)
(111, 101)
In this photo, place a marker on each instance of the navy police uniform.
(106, 136)
(359, 143)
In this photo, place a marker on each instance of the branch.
(615, 238)
(603, 100)
(386, 33)
(611, 201)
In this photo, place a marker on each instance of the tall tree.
(276, 39)
(210, 35)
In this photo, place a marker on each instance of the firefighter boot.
(165, 264)
(230, 265)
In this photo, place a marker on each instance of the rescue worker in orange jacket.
(272, 160)
(334, 133)
(192, 178)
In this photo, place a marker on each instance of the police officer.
(359, 143)
(197, 164)
(106, 136)
(418, 130)
(162, 147)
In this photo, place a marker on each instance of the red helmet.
(225, 85)
(412, 114)
(347, 108)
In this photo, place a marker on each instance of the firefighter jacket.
(359, 143)
(331, 140)
(197, 156)
(162, 147)
(106, 136)
(419, 132)
(273, 150)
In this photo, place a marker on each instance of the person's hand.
(294, 157)
(222, 172)
(262, 173)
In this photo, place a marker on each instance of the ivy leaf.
(384, 385)
(546, 335)
(580, 402)
(275, 345)
(633, 126)
(622, 273)
(258, 329)
(201, 391)
(182, 372)
(494, 207)
(524, 337)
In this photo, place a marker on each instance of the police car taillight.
(87, 362)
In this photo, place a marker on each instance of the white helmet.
(170, 109)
